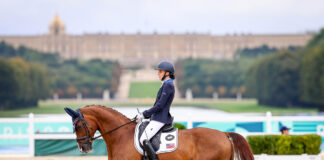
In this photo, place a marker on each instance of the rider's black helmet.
(167, 66)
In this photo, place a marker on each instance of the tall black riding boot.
(145, 157)
(149, 150)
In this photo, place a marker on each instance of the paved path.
(124, 86)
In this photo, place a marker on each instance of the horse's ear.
(71, 112)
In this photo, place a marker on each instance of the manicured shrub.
(179, 126)
(285, 145)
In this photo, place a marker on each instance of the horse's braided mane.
(106, 108)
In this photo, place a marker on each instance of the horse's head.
(84, 128)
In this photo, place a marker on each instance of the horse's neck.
(109, 121)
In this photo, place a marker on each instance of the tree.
(62, 74)
(71, 91)
(21, 84)
(222, 90)
(209, 90)
(210, 73)
(40, 82)
(256, 52)
(234, 91)
(274, 79)
(196, 90)
(22, 77)
(7, 84)
(312, 72)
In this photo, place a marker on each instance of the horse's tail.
(242, 150)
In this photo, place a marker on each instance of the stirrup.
(145, 157)
(149, 150)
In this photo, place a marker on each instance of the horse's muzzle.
(85, 148)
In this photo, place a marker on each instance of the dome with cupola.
(57, 26)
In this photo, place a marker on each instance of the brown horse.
(118, 133)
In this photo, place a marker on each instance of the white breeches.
(152, 128)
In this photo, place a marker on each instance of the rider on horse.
(160, 112)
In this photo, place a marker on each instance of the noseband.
(88, 137)
(84, 125)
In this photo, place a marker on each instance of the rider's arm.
(166, 92)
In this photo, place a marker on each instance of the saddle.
(165, 140)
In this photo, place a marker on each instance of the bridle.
(88, 137)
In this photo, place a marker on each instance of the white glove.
(139, 117)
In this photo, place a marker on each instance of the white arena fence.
(288, 157)
(268, 119)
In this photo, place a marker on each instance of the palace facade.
(147, 49)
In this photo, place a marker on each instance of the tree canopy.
(273, 79)
(290, 78)
(30, 75)
(312, 72)
(204, 77)
(21, 84)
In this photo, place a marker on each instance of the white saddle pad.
(167, 144)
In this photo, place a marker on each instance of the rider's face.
(161, 73)
(285, 132)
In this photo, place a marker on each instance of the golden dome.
(57, 26)
(57, 21)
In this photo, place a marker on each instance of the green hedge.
(179, 126)
(285, 145)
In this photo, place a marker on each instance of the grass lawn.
(225, 105)
(234, 106)
(58, 108)
(144, 89)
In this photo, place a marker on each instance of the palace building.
(147, 49)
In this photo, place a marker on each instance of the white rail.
(287, 157)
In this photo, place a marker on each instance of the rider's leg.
(149, 150)
(152, 128)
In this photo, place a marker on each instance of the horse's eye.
(77, 127)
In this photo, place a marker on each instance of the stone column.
(106, 95)
(79, 96)
(55, 97)
(239, 96)
(189, 95)
(215, 95)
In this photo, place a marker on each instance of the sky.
(30, 17)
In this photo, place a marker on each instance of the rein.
(85, 125)
(112, 130)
